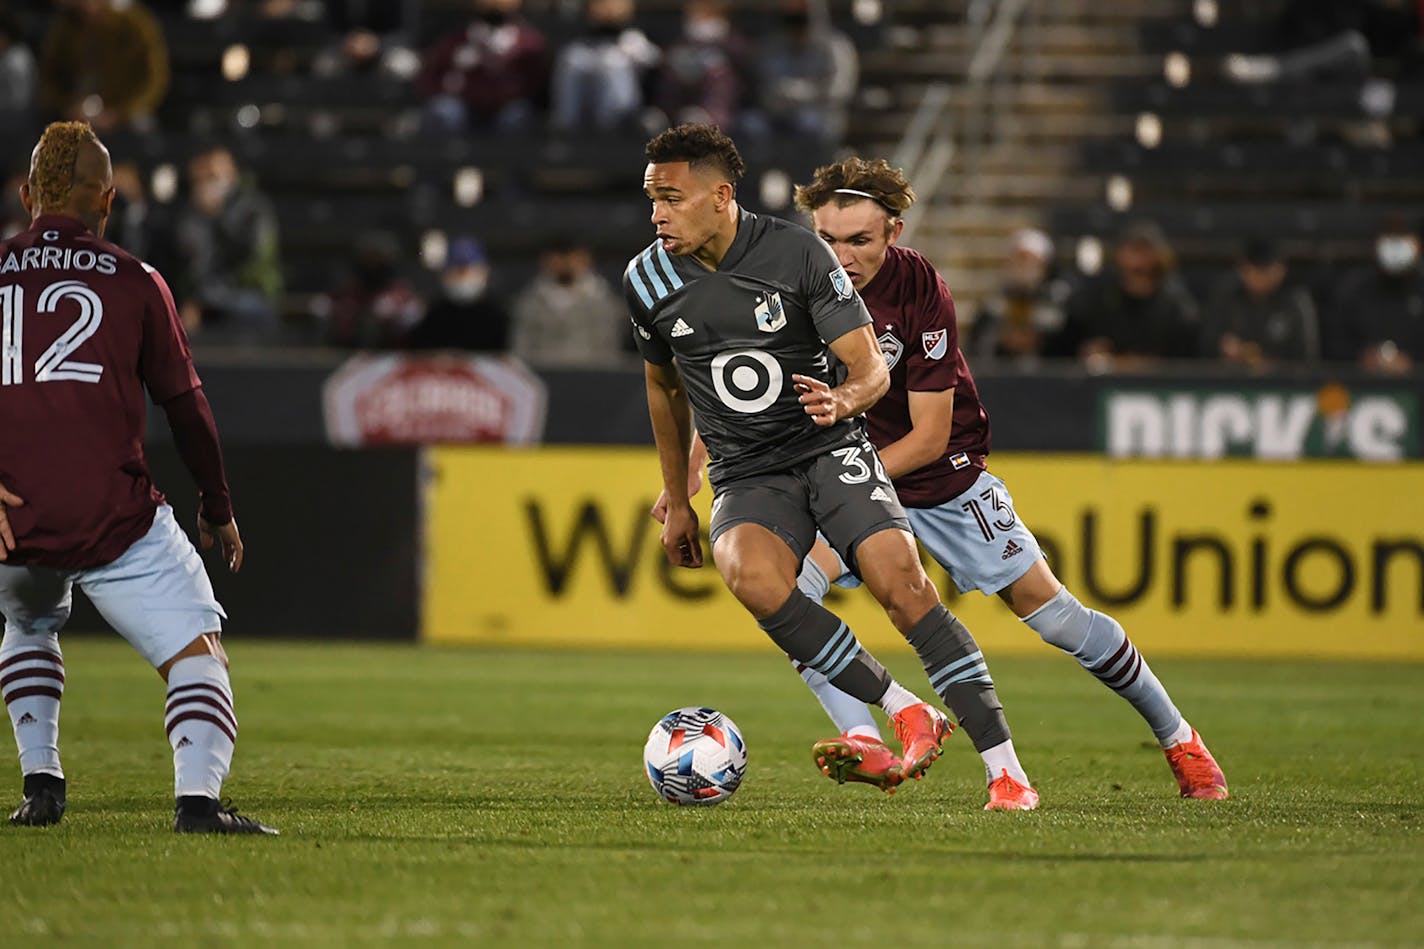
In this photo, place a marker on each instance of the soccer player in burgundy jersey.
(85, 328)
(932, 434)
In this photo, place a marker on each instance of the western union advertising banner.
(554, 547)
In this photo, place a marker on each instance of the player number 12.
(52, 366)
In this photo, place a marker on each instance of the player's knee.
(761, 592)
(1062, 621)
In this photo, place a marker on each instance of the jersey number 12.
(53, 364)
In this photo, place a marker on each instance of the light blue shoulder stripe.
(652, 271)
(667, 265)
(638, 285)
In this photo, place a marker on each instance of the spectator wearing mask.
(468, 315)
(1134, 314)
(491, 73)
(1257, 319)
(375, 306)
(569, 315)
(105, 62)
(599, 74)
(700, 79)
(1028, 308)
(807, 75)
(229, 275)
(1378, 317)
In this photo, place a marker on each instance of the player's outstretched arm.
(867, 379)
(8, 499)
(671, 418)
(931, 423)
(195, 435)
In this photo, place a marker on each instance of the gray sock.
(960, 676)
(815, 637)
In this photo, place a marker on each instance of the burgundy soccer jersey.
(914, 322)
(86, 327)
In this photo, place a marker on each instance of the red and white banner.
(403, 400)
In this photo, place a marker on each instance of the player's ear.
(896, 229)
(25, 200)
(106, 201)
(723, 196)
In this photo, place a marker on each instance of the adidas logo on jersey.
(1010, 550)
(26, 719)
(680, 328)
(183, 742)
(880, 494)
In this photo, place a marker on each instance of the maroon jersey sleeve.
(165, 361)
(932, 363)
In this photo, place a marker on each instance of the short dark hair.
(701, 146)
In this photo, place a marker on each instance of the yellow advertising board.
(554, 547)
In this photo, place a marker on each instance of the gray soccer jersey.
(739, 333)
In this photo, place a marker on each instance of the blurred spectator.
(568, 314)
(468, 315)
(1027, 309)
(1334, 39)
(492, 72)
(1136, 312)
(374, 307)
(13, 216)
(807, 75)
(1255, 318)
(131, 224)
(699, 81)
(371, 35)
(1378, 317)
(104, 61)
(17, 79)
(599, 74)
(229, 277)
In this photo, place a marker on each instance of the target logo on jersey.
(695, 756)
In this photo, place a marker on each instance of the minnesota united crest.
(770, 316)
(841, 283)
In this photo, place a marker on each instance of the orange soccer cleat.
(1006, 794)
(922, 730)
(1197, 772)
(858, 758)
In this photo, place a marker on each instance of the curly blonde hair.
(884, 185)
(52, 166)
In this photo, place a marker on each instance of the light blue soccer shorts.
(976, 537)
(157, 594)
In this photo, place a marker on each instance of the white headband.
(866, 194)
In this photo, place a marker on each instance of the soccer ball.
(695, 756)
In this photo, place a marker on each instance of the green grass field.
(443, 797)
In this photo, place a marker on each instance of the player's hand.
(694, 485)
(226, 536)
(817, 399)
(681, 541)
(7, 536)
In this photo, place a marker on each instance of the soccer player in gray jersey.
(750, 323)
(933, 436)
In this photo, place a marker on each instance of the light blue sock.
(1101, 646)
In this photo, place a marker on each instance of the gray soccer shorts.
(844, 493)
